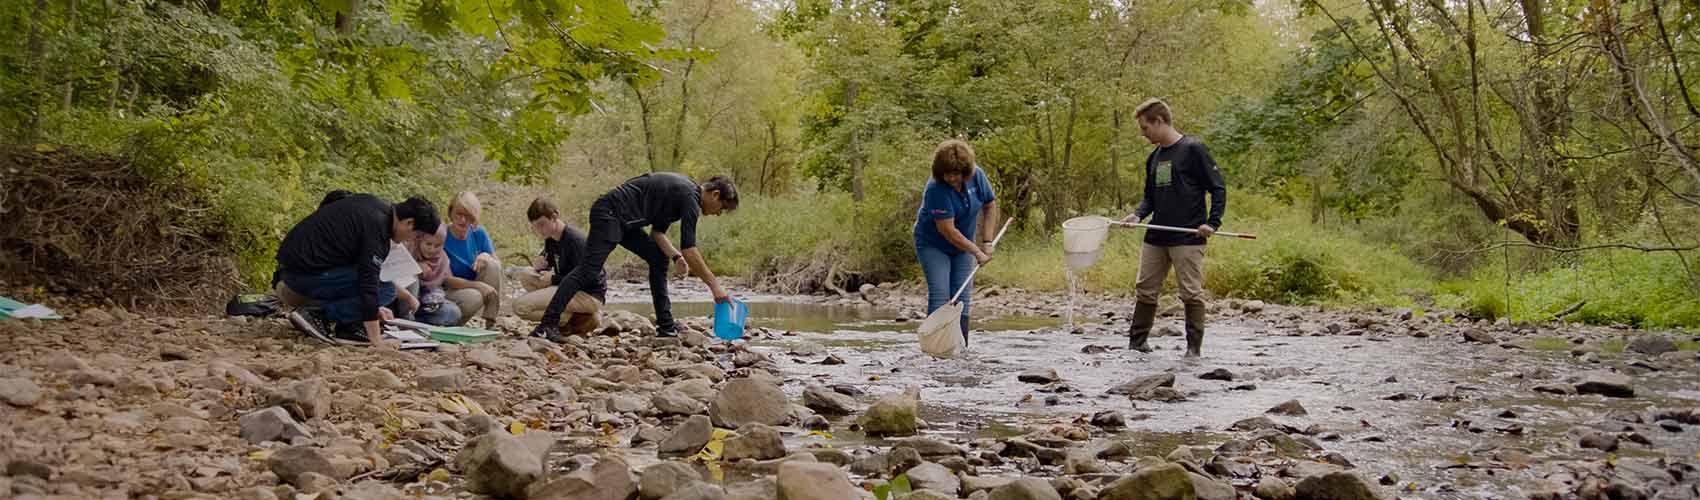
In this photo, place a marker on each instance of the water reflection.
(826, 318)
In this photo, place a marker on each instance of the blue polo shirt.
(941, 201)
(463, 254)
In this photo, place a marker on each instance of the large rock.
(698, 491)
(665, 478)
(826, 401)
(503, 465)
(1479, 337)
(800, 480)
(379, 378)
(893, 415)
(671, 401)
(700, 389)
(1027, 488)
(304, 400)
(19, 392)
(609, 479)
(1599, 441)
(688, 438)
(1336, 486)
(1652, 344)
(1144, 384)
(1606, 384)
(1273, 488)
(1210, 489)
(747, 401)
(444, 380)
(1289, 408)
(292, 464)
(754, 441)
(1163, 482)
(1039, 376)
(931, 476)
(270, 424)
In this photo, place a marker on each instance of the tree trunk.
(850, 91)
(34, 46)
(1116, 155)
(767, 159)
(345, 16)
(685, 90)
(648, 130)
(69, 88)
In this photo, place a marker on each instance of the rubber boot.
(1144, 315)
(1194, 330)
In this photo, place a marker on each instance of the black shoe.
(667, 333)
(351, 336)
(312, 321)
(547, 332)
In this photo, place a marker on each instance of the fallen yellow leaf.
(260, 456)
(517, 428)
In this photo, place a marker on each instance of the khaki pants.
(1154, 263)
(583, 314)
(472, 302)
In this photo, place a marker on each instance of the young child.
(434, 306)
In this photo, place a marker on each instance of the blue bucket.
(729, 318)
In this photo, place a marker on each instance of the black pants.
(606, 232)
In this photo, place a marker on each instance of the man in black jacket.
(333, 257)
(621, 217)
(1178, 175)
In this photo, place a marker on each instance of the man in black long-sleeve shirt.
(620, 217)
(1178, 175)
(334, 257)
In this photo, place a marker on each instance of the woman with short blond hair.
(475, 281)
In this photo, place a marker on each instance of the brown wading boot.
(1144, 315)
(1194, 330)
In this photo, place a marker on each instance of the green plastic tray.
(462, 335)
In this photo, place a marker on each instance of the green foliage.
(897, 488)
(1642, 290)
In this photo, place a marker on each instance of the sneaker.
(351, 336)
(666, 333)
(312, 321)
(547, 332)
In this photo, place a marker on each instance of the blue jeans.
(944, 274)
(447, 313)
(338, 292)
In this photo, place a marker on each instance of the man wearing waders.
(1177, 176)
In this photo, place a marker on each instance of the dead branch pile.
(95, 227)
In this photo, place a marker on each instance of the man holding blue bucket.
(620, 217)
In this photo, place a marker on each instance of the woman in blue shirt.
(475, 275)
(956, 201)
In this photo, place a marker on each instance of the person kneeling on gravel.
(654, 202)
(568, 243)
(333, 258)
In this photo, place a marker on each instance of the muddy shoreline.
(108, 404)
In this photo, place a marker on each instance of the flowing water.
(1469, 430)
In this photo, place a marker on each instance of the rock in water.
(1211, 489)
(665, 478)
(1039, 376)
(1163, 482)
(1221, 374)
(1652, 344)
(1600, 441)
(270, 424)
(698, 491)
(1336, 486)
(689, 438)
(1109, 419)
(755, 441)
(609, 479)
(827, 401)
(1606, 384)
(893, 415)
(1289, 408)
(1144, 385)
(747, 401)
(1027, 488)
(1479, 337)
(1273, 488)
(503, 465)
(814, 481)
